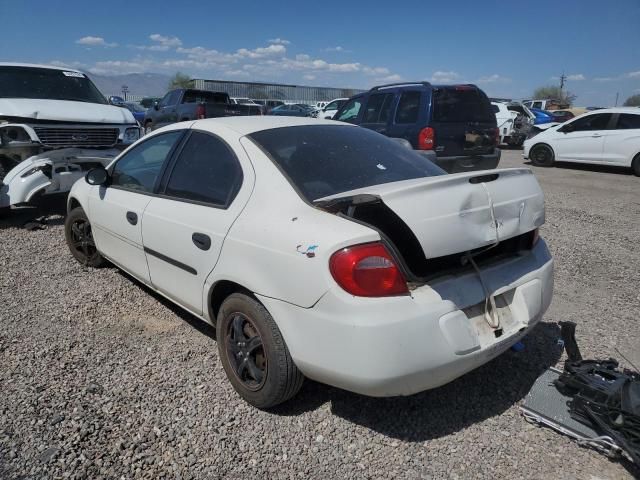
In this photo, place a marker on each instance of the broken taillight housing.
(427, 139)
(367, 270)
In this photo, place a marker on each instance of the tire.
(635, 165)
(542, 155)
(4, 169)
(253, 353)
(77, 232)
(148, 128)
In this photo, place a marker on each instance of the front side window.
(335, 105)
(587, 123)
(324, 160)
(139, 168)
(350, 111)
(206, 171)
(627, 121)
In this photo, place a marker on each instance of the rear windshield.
(47, 83)
(456, 104)
(324, 160)
(198, 96)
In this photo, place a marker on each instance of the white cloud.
(633, 74)
(91, 41)
(338, 49)
(495, 78)
(279, 40)
(576, 77)
(165, 41)
(444, 77)
(260, 52)
(604, 79)
(309, 77)
(390, 78)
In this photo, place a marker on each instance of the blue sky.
(506, 47)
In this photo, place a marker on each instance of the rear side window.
(408, 107)
(378, 108)
(206, 171)
(628, 121)
(461, 104)
(495, 108)
(324, 160)
(197, 96)
(350, 111)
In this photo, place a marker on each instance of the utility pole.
(563, 78)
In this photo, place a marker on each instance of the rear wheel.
(253, 353)
(147, 128)
(635, 166)
(542, 155)
(79, 236)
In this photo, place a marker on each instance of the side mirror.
(156, 105)
(97, 176)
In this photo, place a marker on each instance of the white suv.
(608, 137)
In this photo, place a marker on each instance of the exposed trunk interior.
(372, 211)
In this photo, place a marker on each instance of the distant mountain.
(140, 84)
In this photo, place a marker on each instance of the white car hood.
(465, 211)
(64, 111)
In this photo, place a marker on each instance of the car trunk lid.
(456, 213)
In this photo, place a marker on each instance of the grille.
(90, 137)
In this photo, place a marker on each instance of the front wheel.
(542, 156)
(253, 353)
(79, 236)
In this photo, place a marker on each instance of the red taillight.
(201, 112)
(427, 139)
(367, 270)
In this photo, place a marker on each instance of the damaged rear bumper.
(404, 345)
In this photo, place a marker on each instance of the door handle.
(132, 218)
(202, 241)
(595, 135)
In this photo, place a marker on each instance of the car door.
(184, 227)
(377, 112)
(168, 111)
(582, 140)
(116, 209)
(405, 123)
(622, 142)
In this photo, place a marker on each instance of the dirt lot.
(99, 378)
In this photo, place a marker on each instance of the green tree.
(553, 92)
(632, 101)
(180, 80)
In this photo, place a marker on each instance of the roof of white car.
(256, 123)
(635, 110)
(34, 65)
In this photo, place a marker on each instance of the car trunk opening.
(433, 224)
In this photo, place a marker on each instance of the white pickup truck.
(54, 126)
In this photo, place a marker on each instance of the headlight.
(131, 135)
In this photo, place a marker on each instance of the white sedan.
(323, 250)
(607, 137)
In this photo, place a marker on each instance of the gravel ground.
(99, 378)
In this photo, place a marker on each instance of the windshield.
(461, 104)
(324, 160)
(47, 83)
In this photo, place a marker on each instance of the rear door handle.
(202, 241)
(132, 218)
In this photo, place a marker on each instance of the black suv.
(452, 125)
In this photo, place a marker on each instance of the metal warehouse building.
(275, 91)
